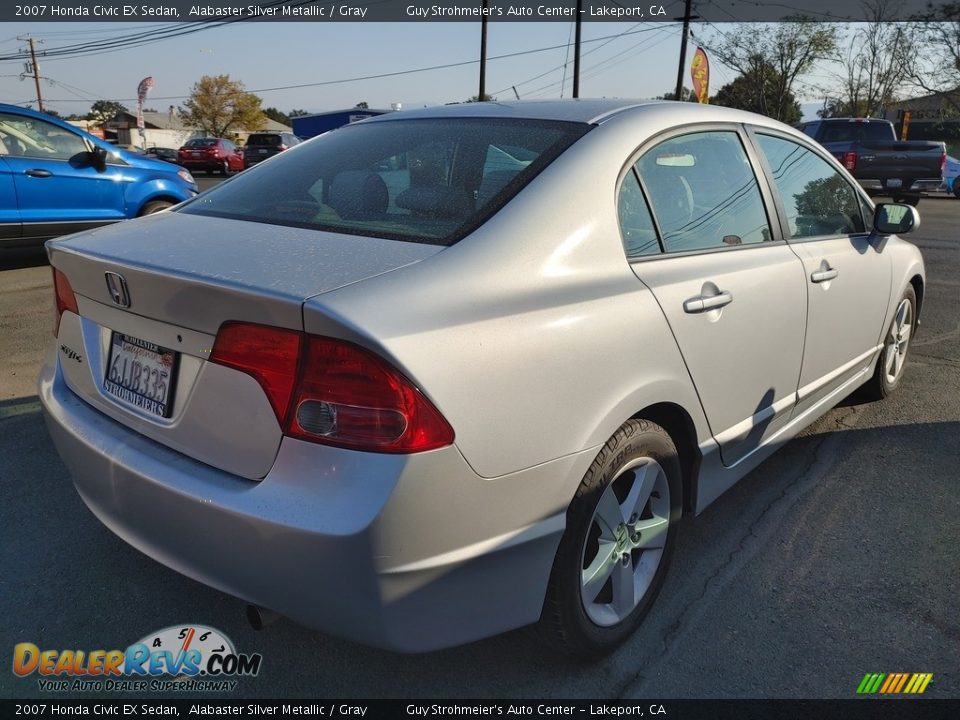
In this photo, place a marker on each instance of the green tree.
(297, 113)
(277, 115)
(485, 98)
(686, 95)
(218, 105)
(772, 58)
(362, 105)
(759, 90)
(103, 111)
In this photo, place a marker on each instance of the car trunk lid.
(157, 290)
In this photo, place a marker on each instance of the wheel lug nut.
(625, 559)
(633, 518)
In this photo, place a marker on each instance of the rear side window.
(201, 142)
(430, 180)
(636, 224)
(817, 199)
(703, 192)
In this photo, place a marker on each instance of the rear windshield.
(856, 132)
(264, 140)
(430, 180)
(202, 142)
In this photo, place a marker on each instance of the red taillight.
(64, 299)
(333, 392)
(269, 354)
(850, 160)
(282, 147)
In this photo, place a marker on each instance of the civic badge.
(117, 287)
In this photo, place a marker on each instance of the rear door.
(847, 272)
(731, 289)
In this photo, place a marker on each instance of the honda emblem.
(117, 287)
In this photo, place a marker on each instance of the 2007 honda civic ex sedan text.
(448, 372)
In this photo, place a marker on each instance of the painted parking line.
(23, 408)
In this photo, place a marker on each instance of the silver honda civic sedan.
(449, 372)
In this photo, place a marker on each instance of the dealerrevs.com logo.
(178, 658)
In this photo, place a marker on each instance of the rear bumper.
(410, 553)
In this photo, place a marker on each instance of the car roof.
(592, 111)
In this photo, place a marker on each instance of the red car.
(212, 155)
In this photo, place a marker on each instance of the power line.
(398, 73)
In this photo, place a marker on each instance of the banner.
(700, 73)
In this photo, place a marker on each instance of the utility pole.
(483, 53)
(687, 17)
(576, 52)
(36, 74)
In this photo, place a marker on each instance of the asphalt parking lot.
(835, 558)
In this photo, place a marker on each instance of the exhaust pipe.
(260, 617)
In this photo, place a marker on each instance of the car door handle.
(703, 303)
(823, 275)
(38, 173)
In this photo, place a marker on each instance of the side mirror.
(98, 159)
(895, 219)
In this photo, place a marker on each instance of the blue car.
(951, 173)
(56, 179)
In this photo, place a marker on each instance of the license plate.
(894, 183)
(196, 153)
(262, 151)
(141, 374)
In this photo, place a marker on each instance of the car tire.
(155, 206)
(614, 554)
(896, 344)
(225, 168)
(956, 188)
(913, 200)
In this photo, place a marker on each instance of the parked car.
(883, 165)
(211, 155)
(58, 179)
(452, 371)
(260, 146)
(951, 171)
(163, 153)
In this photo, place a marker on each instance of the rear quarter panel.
(532, 336)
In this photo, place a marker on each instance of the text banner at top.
(331, 11)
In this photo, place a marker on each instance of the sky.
(636, 60)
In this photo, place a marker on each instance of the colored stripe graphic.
(894, 683)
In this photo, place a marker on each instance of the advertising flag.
(700, 73)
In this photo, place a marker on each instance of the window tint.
(201, 142)
(418, 180)
(703, 192)
(264, 140)
(818, 200)
(30, 137)
(636, 224)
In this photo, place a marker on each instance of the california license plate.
(894, 183)
(141, 374)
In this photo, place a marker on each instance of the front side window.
(817, 199)
(427, 180)
(31, 137)
(703, 192)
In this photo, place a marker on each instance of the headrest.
(355, 193)
(438, 201)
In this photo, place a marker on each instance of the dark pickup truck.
(883, 165)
